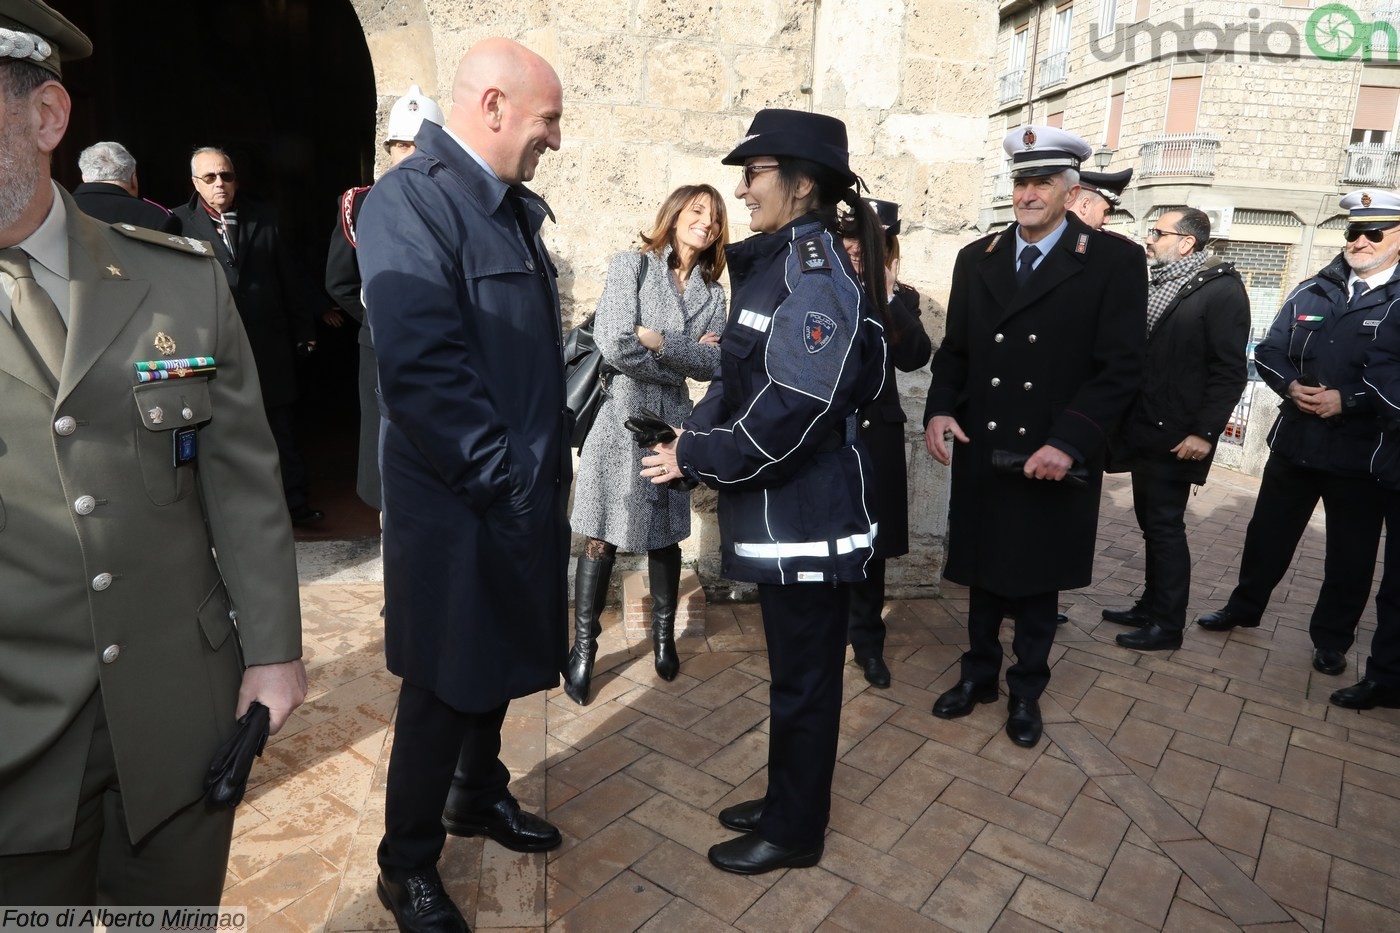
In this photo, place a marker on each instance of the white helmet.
(408, 113)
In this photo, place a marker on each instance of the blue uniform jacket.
(1316, 334)
(775, 434)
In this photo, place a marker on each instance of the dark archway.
(287, 88)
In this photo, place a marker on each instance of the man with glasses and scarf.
(1326, 432)
(1194, 372)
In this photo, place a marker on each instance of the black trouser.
(1034, 620)
(805, 625)
(437, 749)
(1160, 506)
(1383, 666)
(866, 629)
(282, 420)
(1287, 496)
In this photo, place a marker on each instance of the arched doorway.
(287, 88)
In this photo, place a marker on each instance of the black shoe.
(307, 516)
(1061, 618)
(1367, 695)
(876, 673)
(754, 855)
(506, 823)
(664, 574)
(1150, 638)
(1222, 620)
(1329, 661)
(743, 817)
(590, 596)
(1023, 724)
(961, 699)
(1134, 617)
(420, 905)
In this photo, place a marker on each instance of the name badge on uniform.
(185, 445)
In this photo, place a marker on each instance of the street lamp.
(1102, 158)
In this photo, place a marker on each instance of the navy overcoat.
(474, 452)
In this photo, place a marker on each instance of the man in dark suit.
(1041, 358)
(274, 299)
(110, 191)
(462, 301)
(128, 648)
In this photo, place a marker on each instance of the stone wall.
(657, 91)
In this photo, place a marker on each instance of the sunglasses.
(208, 177)
(1375, 236)
(751, 170)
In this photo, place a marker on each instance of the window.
(1144, 9)
(1016, 58)
(1375, 114)
(1056, 119)
(1115, 121)
(1059, 28)
(1108, 17)
(1183, 101)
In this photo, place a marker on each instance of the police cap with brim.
(1371, 209)
(1107, 185)
(32, 31)
(1037, 151)
(798, 134)
(888, 214)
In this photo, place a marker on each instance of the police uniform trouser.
(182, 862)
(1159, 502)
(437, 750)
(1034, 635)
(867, 627)
(1287, 496)
(1383, 666)
(805, 625)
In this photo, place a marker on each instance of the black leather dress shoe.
(1329, 661)
(743, 817)
(1134, 617)
(877, 674)
(1367, 695)
(1061, 618)
(754, 855)
(1023, 724)
(1150, 638)
(1222, 620)
(420, 905)
(307, 516)
(506, 823)
(961, 699)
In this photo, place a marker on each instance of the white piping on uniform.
(777, 550)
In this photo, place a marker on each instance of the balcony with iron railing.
(1190, 154)
(1001, 187)
(1012, 85)
(1374, 164)
(1054, 68)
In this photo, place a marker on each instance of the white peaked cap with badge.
(1036, 151)
(1371, 209)
(409, 112)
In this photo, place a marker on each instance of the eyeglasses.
(751, 170)
(1375, 236)
(1154, 234)
(208, 177)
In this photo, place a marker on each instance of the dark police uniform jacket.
(776, 432)
(1317, 335)
(107, 560)
(475, 456)
(111, 204)
(1056, 362)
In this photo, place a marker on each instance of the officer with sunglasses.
(1326, 432)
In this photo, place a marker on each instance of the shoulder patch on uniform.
(995, 241)
(812, 252)
(347, 212)
(817, 331)
(183, 244)
(1082, 246)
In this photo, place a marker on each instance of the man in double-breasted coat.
(462, 302)
(124, 639)
(1044, 343)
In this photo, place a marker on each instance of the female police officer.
(776, 435)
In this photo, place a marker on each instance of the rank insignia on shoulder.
(817, 331)
(184, 244)
(813, 254)
(1082, 246)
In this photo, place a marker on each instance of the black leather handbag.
(586, 372)
(228, 771)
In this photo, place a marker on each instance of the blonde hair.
(663, 230)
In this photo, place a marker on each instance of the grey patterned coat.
(611, 500)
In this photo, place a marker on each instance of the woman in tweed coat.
(657, 323)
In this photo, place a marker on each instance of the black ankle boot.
(664, 574)
(590, 596)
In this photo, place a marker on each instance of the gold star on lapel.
(113, 270)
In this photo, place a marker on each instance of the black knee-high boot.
(664, 573)
(590, 596)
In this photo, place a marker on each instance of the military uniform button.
(111, 653)
(530, 264)
(65, 426)
(991, 425)
(1021, 431)
(995, 382)
(1028, 386)
(101, 581)
(865, 422)
(999, 338)
(187, 413)
(1031, 338)
(84, 505)
(233, 615)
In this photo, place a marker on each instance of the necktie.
(1357, 290)
(1028, 257)
(35, 316)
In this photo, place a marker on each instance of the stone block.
(684, 76)
(601, 66)
(768, 24)
(636, 606)
(687, 19)
(766, 78)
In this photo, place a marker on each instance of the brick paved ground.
(1210, 788)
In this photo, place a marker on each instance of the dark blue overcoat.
(474, 452)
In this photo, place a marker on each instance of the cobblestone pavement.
(1209, 788)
